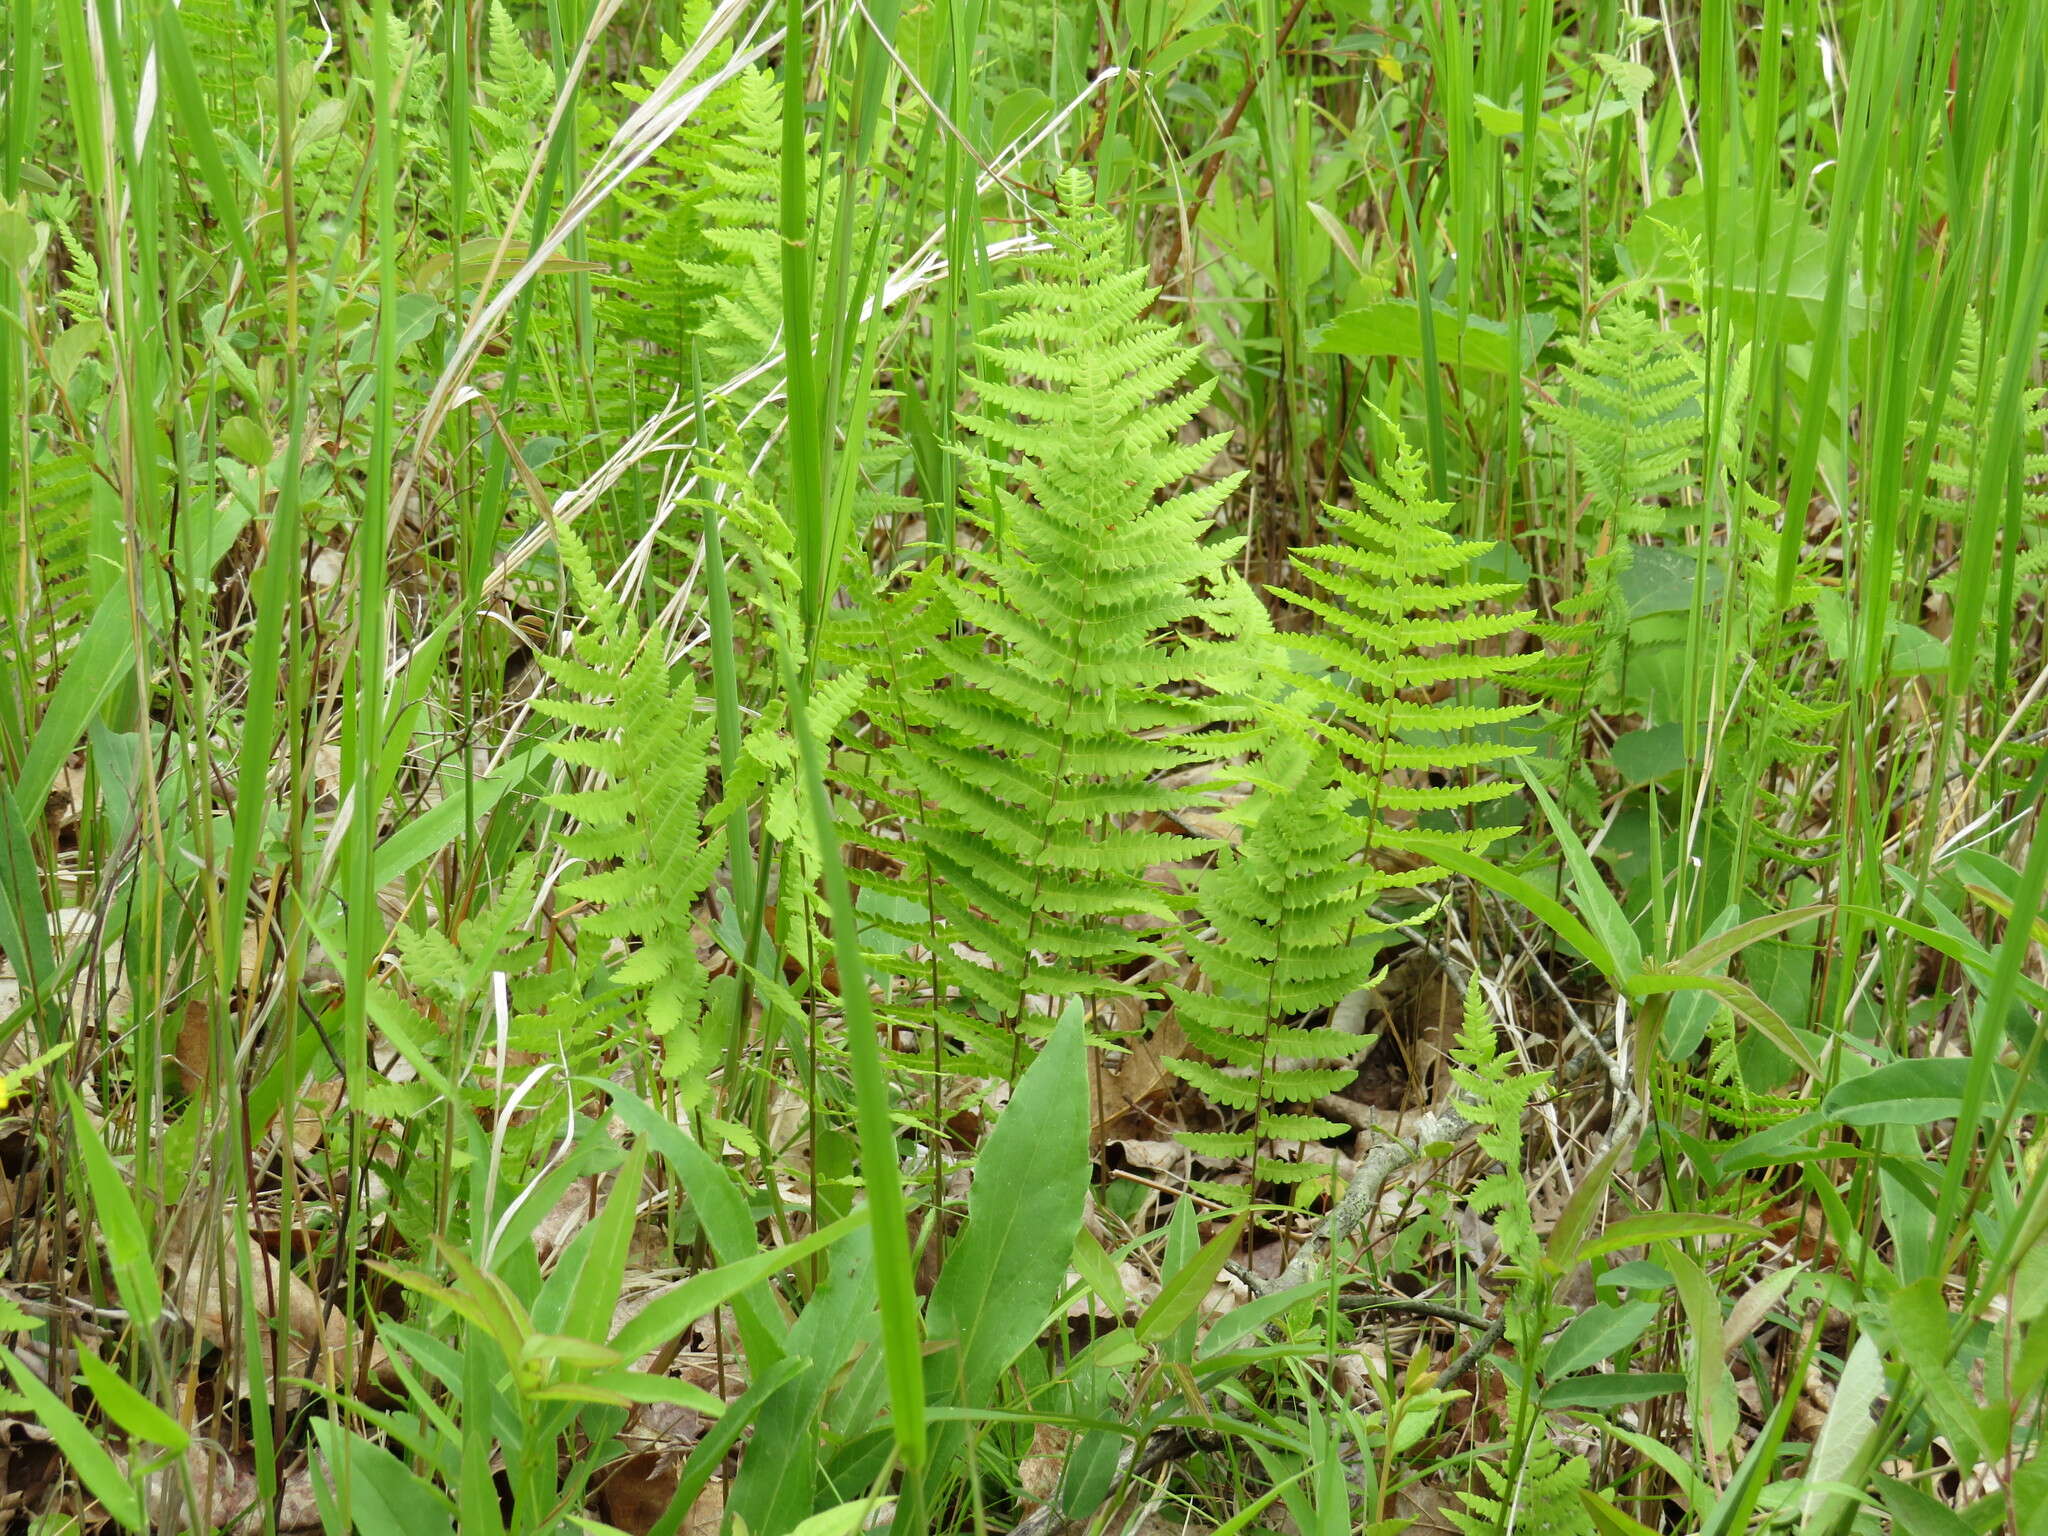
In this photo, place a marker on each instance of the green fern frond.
(738, 216)
(1073, 685)
(520, 86)
(667, 267)
(1499, 1090)
(1400, 625)
(50, 547)
(1290, 935)
(1953, 470)
(80, 297)
(1629, 414)
(639, 828)
(1543, 1501)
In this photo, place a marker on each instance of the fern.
(1289, 937)
(1787, 705)
(81, 296)
(1542, 1501)
(1722, 1093)
(740, 225)
(519, 89)
(1400, 626)
(1070, 689)
(667, 270)
(639, 830)
(50, 546)
(1496, 1091)
(1291, 908)
(1953, 470)
(1630, 415)
(1500, 1090)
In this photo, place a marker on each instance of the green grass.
(422, 429)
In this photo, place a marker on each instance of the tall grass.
(335, 1137)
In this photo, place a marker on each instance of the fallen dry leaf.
(227, 1493)
(1039, 1472)
(1123, 1088)
(207, 1291)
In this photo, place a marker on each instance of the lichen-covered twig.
(1447, 1123)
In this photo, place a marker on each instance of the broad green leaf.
(1188, 1287)
(81, 1447)
(1664, 1227)
(1848, 1428)
(1553, 912)
(673, 1311)
(1596, 1334)
(1561, 1249)
(1714, 1405)
(128, 1408)
(1631, 81)
(710, 1452)
(1609, 1521)
(24, 921)
(384, 1494)
(1922, 1092)
(1610, 1390)
(1742, 1002)
(1239, 1321)
(1664, 243)
(420, 837)
(1714, 949)
(178, 71)
(561, 1349)
(1652, 753)
(841, 1520)
(103, 660)
(1921, 1329)
(1393, 328)
(592, 1271)
(1030, 1188)
(1596, 903)
(718, 1204)
(1099, 1271)
(1914, 1512)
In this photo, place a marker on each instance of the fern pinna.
(1072, 681)
(1402, 628)
(638, 829)
(1289, 936)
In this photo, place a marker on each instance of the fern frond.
(518, 90)
(1631, 418)
(1072, 686)
(1953, 470)
(1399, 618)
(1500, 1091)
(643, 821)
(50, 548)
(1290, 936)
(668, 268)
(1544, 1500)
